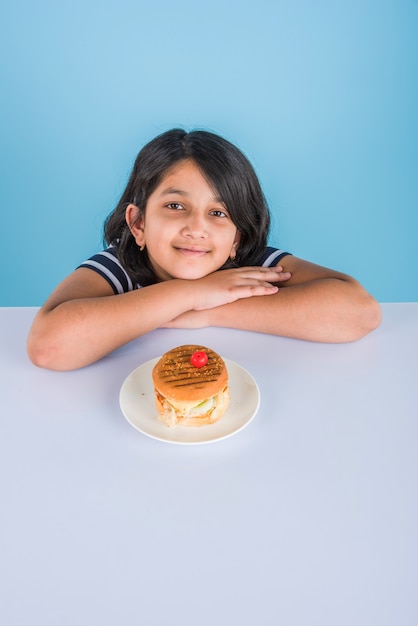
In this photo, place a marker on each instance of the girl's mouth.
(192, 252)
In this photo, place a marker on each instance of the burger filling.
(173, 412)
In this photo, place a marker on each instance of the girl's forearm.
(81, 322)
(325, 310)
(80, 331)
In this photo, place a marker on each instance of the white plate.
(137, 401)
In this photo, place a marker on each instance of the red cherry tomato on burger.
(199, 358)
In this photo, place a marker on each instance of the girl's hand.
(226, 286)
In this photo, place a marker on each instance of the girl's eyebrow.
(181, 192)
(172, 190)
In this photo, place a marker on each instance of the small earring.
(232, 255)
(142, 248)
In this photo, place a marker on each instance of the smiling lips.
(192, 251)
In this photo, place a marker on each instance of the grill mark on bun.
(194, 382)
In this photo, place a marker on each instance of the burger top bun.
(176, 377)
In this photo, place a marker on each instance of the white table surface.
(306, 517)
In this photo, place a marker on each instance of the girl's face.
(187, 230)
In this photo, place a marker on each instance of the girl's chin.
(181, 275)
(184, 273)
(189, 275)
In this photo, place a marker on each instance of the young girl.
(187, 249)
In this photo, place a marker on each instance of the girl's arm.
(83, 320)
(316, 304)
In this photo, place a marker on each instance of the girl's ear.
(233, 252)
(135, 222)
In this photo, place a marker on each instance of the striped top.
(107, 264)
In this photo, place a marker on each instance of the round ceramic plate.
(137, 401)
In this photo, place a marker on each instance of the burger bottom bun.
(174, 413)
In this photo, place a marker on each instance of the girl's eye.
(219, 213)
(174, 205)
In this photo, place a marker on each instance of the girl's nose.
(195, 226)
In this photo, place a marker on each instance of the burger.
(191, 386)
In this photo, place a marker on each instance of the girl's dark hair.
(226, 169)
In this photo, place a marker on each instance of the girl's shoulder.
(107, 264)
(271, 256)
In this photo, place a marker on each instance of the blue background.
(322, 97)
